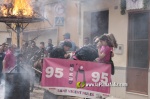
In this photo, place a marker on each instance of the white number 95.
(50, 71)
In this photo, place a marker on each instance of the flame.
(17, 8)
(22, 7)
(4, 10)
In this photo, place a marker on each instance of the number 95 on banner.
(59, 73)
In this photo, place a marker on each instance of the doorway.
(138, 53)
(99, 23)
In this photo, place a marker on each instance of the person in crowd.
(24, 50)
(24, 47)
(31, 59)
(30, 43)
(61, 52)
(112, 40)
(43, 50)
(4, 47)
(67, 38)
(86, 53)
(31, 51)
(95, 41)
(38, 58)
(106, 44)
(105, 51)
(21, 59)
(2, 55)
(41, 53)
(9, 59)
(86, 41)
(50, 47)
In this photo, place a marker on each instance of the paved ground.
(1, 91)
(38, 94)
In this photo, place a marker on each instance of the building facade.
(129, 23)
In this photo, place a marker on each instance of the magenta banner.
(76, 78)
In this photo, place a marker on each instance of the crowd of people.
(100, 51)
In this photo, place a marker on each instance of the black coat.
(2, 55)
(87, 53)
(58, 52)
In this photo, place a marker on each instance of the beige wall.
(3, 27)
(3, 36)
(71, 21)
(4, 33)
(43, 36)
(118, 25)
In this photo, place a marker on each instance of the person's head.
(26, 44)
(33, 44)
(20, 57)
(95, 39)
(66, 36)
(86, 40)
(5, 47)
(112, 39)
(42, 45)
(30, 42)
(104, 40)
(4, 44)
(67, 45)
(12, 47)
(49, 41)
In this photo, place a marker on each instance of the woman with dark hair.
(105, 50)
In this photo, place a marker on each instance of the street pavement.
(38, 94)
(2, 90)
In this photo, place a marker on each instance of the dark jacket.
(73, 48)
(2, 55)
(87, 53)
(58, 52)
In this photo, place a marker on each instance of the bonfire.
(17, 8)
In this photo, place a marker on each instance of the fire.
(17, 8)
(22, 7)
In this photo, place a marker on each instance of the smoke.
(2, 89)
(5, 88)
(47, 9)
(16, 85)
(95, 18)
